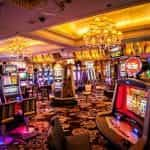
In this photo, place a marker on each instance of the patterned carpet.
(75, 120)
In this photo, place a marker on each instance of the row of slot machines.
(117, 70)
(44, 76)
(12, 100)
(83, 74)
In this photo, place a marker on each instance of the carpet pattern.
(75, 120)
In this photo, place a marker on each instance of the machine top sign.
(133, 66)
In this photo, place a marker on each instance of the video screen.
(136, 101)
(23, 75)
(9, 80)
(10, 69)
(10, 90)
(45, 73)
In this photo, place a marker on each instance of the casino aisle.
(77, 120)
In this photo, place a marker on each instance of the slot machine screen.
(9, 80)
(45, 73)
(122, 70)
(10, 90)
(6, 80)
(23, 75)
(14, 79)
(10, 69)
(131, 101)
(136, 101)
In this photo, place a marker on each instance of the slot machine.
(10, 84)
(77, 75)
(50, 77)
(107, 73)
(58, 77)
(30, 75)
(128, 124)
(30, 79)
(90, 71)
(122, 70)
(40, 77)
(23, 78)
(11, 96)
(46, 75)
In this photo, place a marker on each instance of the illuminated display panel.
(23, 75)
(10, 69)
(122, 69)
(9, 80)
(131, 102)
(58, 71)
(133, 66)
(10, 90)
(116, 52)
(136, 101)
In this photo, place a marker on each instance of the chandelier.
(16, 45)
(102, 32)
(27, 3)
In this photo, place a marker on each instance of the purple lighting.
(5, 140)
(23, 130)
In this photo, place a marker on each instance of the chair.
(58, 141)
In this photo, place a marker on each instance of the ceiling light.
(102, 32)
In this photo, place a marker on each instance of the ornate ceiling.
(23, 45)
(133, 22)
(129, 19)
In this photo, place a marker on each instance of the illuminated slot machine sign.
(58, 76)
(10, 87)
(116, 51)
(133, 66)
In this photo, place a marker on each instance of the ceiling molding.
(136, 34)
(50, 38)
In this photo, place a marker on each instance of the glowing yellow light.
(82, 31)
